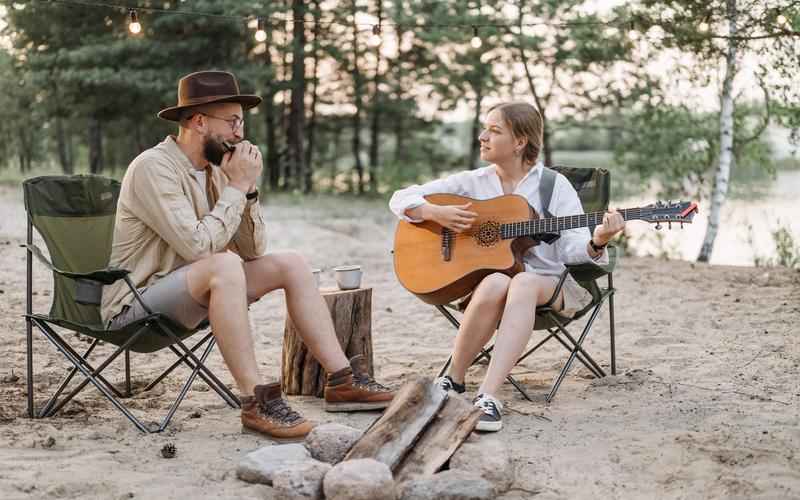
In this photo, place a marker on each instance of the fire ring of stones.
(421, 448)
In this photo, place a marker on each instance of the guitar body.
(419, 257)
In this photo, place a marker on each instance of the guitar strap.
(546, 184)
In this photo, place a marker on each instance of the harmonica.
(229, 148)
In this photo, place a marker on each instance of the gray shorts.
(169, 296)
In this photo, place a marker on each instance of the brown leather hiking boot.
(352, 389)
(269, 414)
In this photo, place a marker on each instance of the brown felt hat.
(206, 87)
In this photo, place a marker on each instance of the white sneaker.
(492, 419)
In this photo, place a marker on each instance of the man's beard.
(213, 150)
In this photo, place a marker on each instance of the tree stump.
(351, 311)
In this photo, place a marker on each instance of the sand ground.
(705, 404)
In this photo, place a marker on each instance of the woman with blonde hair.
(511, 141)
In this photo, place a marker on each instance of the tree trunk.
(351, 312)
(547, 150)
(271, 178)
(376, 114)
(64, 158)
(297, 111)
(95, 145)
(23, 152)
(312, 123)
(337, 147)
(720, 190)
(358, 101)
(475, 145)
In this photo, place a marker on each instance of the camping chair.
(75, 217)
(593, 187)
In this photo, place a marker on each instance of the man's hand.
(613, 224)
(455, 217)
(243, 166)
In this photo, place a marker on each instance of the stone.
(330, 442)
(448, 485)
(301, 481)
(488, 458)
(361, 479)
(259, 466)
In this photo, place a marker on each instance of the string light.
(612, 27)
(476, 41)
(134, 26)
(261, 34)
(633, 35)
(375, 39)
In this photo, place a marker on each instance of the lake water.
(746, 226)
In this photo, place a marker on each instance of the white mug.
(348, 277)
(317, 275)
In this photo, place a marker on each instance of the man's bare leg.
(218, 282)
(289, 271)
(516, 326)
(479, 323)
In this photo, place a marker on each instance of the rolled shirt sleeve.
(251, 237)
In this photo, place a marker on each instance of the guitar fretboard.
(557, 224)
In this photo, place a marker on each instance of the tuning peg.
(658, 226)
(669, 225)
(681, 224)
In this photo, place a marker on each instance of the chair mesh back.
(592, 184)
(75, 216)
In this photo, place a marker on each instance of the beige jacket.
(163, 222)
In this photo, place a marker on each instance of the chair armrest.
(105, 276)
(589, 271)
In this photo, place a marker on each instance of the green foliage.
(678, 148)
(786, 248)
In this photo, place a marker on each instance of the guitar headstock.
(679, 211)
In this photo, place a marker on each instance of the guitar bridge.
(446, 240)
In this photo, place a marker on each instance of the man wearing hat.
(189, 228)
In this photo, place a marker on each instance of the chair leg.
(215, 384)
(29, 311)
(446, 366)
(572, 356)
(186, 386)
(611, 324)
(92, 376)
(219, 387)
(29, 341)
(49, 410)
(45, 411)
(582, 355)
(128, 391)
(181, 359)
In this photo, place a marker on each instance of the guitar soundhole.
(488, 234)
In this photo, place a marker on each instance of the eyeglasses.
(235, 122)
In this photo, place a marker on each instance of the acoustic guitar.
(439, 265)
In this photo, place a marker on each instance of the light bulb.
(134, 26)
(261, 34)
(781, 20)
(375, 39)
(476, 41)
(702, 27)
